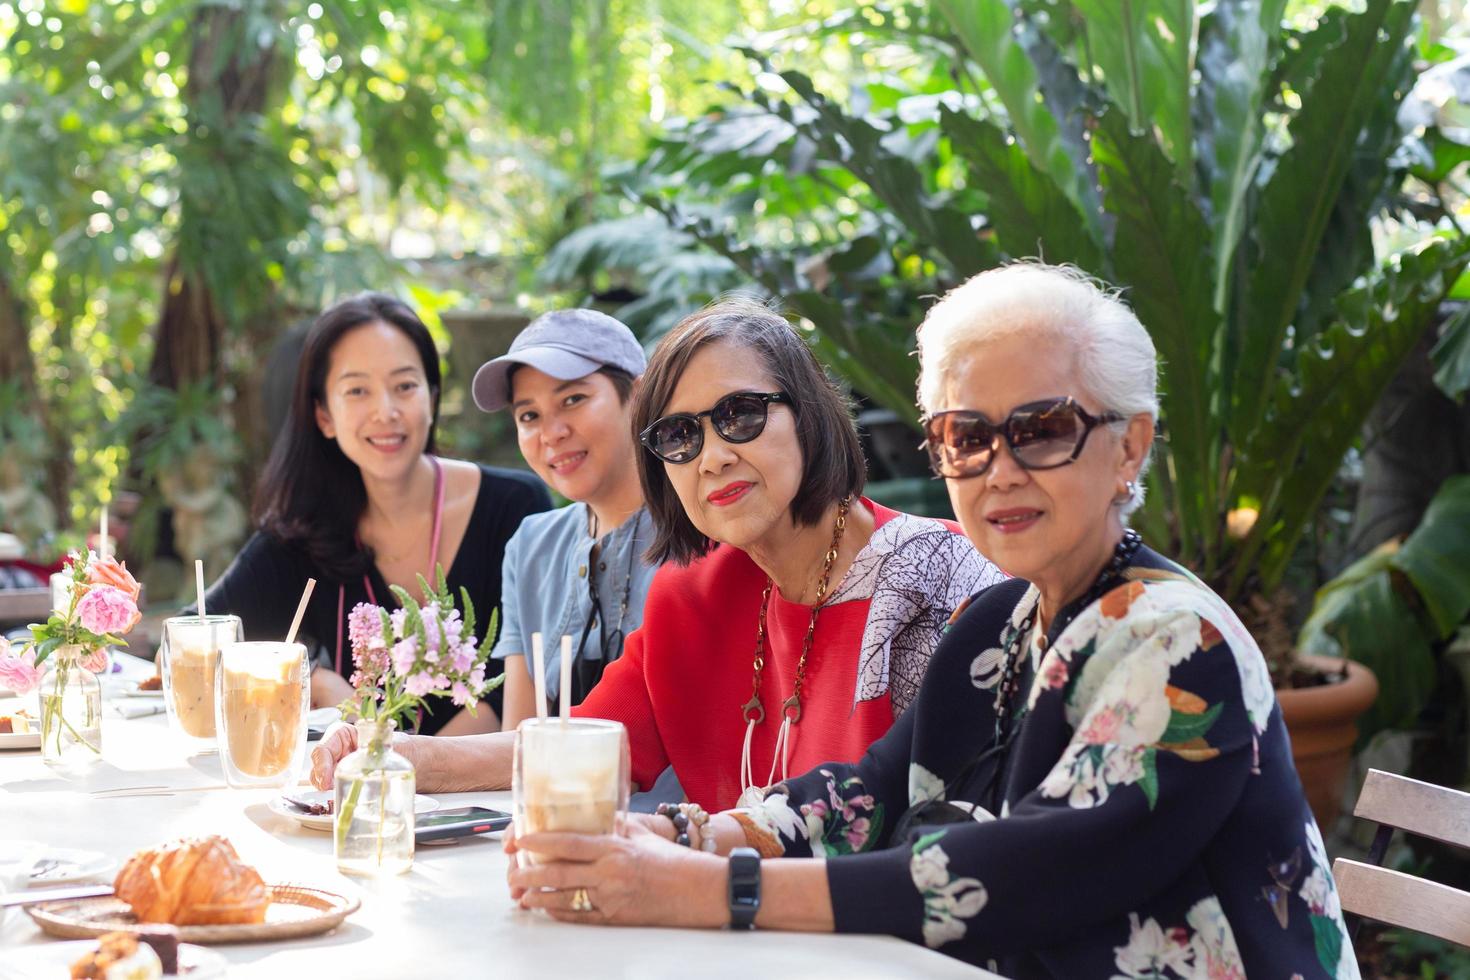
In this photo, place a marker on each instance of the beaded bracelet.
(686, 815)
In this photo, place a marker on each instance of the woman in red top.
(792, 620)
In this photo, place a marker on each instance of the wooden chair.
(1373, 892)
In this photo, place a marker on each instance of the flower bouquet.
(101, 607)
(400, 660)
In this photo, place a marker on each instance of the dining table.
(451, 915)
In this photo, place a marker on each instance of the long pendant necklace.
(753, 712)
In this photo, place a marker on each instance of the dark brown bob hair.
(831, 456)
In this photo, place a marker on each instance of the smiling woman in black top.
(354, 497)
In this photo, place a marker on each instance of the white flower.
(985, 669)
(941, 930)
(776, 817)
(1216, 957)
(923, 785)
(1151, 950)
(929, 868)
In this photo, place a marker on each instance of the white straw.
(566, 677)
(199, 585)
(300, 610)
(538, 674)
(102, 544)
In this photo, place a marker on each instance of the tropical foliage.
(1239, 219)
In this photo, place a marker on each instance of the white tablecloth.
(451, 916)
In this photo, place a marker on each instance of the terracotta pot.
(1322, 722)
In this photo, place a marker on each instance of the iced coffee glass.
(261, 695)
(187, 660)
(569, 776)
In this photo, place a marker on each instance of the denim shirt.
(545, 586)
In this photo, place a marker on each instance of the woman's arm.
(520, 693)
(642, 879)
(328, 688)
(482, 722)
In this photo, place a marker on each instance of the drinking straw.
(566, 678)
(102, 544)
(300, 610)
(538, 674)
(199, 586)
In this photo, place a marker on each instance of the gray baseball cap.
(565, 344)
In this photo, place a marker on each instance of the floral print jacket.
(1145, 821)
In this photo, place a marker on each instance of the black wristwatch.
(745, 887)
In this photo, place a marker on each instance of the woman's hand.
(641, 879)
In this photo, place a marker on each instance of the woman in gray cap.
(578, 571)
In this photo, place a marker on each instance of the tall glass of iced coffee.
(569, 776)
(187, 661)
(261, 695)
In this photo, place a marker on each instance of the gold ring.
(581, 902)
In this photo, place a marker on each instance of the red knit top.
(685, 675)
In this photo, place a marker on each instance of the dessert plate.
(323, 821)
(53, 959)
(294, 911)
(132, 690)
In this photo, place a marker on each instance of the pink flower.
(1104, 727)
(405, 651)
(461, 695)
(110, 571)
(105, 609)
(1054, 672)
(857, 833)
(463, 659)
(96, 661)
(18, 671)
(419, 684)
(477, 677)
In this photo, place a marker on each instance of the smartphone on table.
(463, 821)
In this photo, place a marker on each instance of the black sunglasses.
(738, 417)
(1041, 435)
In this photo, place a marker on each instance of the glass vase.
(71, 712)
(374, 788)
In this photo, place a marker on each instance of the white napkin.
(139, 708)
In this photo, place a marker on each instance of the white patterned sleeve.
(922, 582)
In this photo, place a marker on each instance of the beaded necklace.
(1010, 678)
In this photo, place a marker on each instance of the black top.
(265, 581)
(1137, 816)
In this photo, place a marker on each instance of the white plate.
(421, 804)
(71, 866)
(30, 739)
(51, 960)
(131, 690)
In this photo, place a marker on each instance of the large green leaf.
(1029, 212)
(1297, 202)
(1363, 615)
(1436, 557)
(1373, 173)
(1451, 355)
(1234, 55)
(1022, 67)
(1317, 413)
(896, 181)
(1161, 254)
(1145, 49)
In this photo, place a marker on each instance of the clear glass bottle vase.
(71, 712)
(374, 789)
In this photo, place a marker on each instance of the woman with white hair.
(1094, 780)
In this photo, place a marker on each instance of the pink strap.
(433, 557)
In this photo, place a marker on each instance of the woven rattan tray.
(295, 911)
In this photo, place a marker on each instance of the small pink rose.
(105, 609)
(18, 670)
(1103, 728)
(96, 661)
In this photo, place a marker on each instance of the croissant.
(192, 882)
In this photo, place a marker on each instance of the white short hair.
(1116, 360)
